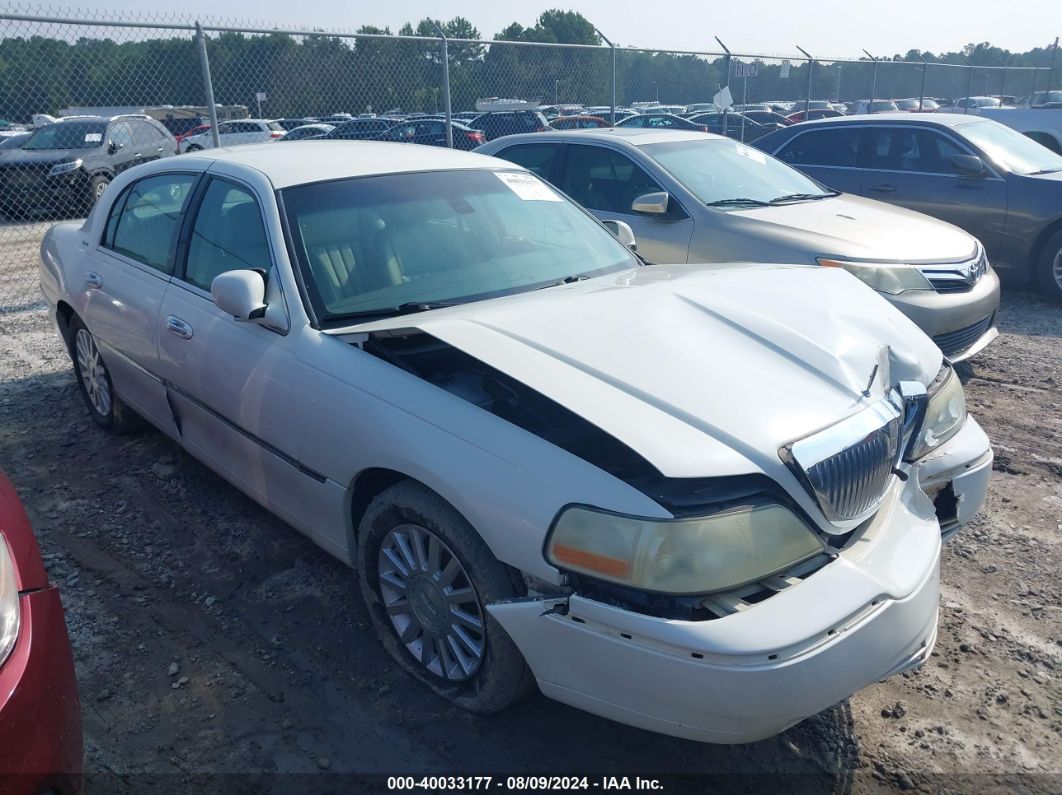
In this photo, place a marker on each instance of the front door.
(607, 182)
(229, 380)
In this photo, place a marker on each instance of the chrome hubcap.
(1056, 268)
(100, 188)
(430, 600)
(92, 372)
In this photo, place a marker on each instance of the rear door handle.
(883, 188)
(93, 280)
(175, 325)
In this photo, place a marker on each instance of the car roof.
(318, 161)
(633, 136)
(939, 119)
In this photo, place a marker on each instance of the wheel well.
(1041, 241)
(367, 485)
(64, 313)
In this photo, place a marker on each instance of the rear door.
(606, 182)
(125, 280)
(828, 154)
(912, 167)
(148, 143)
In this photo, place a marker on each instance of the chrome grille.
(958, 278)
(852, 482)
(847, 467)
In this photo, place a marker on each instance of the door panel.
(606, 182)
(229, 379)
(125, 281)
(913, 169)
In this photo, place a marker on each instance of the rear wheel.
(1049, 270)
(194, 148)
(426, 577)
(107, 409)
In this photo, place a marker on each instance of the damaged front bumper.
(870, 613)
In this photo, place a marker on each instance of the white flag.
(723, 98)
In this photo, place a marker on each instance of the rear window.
(274, 126)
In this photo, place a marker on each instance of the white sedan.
(670, 495)
(234, 133)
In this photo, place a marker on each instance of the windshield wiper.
(572, 279)
(1044, 171)
(800, 197)
(738, 200)
(412, 307)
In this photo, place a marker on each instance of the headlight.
(883, 277)
(64, 168)
(8, 602)
(945, 413)
(681, 556)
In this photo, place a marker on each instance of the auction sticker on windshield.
(92, 138)
(527, 186)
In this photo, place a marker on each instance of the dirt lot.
(212, 639)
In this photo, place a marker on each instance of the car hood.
(23, 157)
(851, 226)
(703, 370)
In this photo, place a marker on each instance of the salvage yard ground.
(211, 638)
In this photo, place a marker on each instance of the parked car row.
(547, 461)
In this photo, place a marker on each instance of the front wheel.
(193, 148)
(1049, 270)
(107, 409)
(97, 187)
(426, 577)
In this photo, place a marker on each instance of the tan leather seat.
(349, 259)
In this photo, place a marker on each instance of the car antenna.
(870, 383)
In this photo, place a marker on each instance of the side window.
(922, 151)
(144, 134)
(121, 134)
(538, 158)
(228, 234)
(144, 226)
(837, 147)
(227, 128)
(601, 179)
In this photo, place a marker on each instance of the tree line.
(321, 74)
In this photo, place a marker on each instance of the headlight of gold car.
(681, 556)
(945, 413)
(883, 277)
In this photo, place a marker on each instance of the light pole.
(840, 67)
(556, 91)
(656, 89)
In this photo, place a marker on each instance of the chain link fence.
(151, 86)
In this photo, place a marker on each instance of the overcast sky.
(823, 27)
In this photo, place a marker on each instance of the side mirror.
(624, 232)
(240, 294)
(113, 147)
(970, 165)
(652, 203)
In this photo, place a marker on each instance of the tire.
(97, 187)
(193, 148)
(1049, 268)
(93, 379)
(486, 683)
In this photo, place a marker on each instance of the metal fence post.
(208, 86)
(604, 38)
(922, 90)
(1051, 69)
(446, 86)
(727, 58)
(873, 82)
(811, 76)
(969, 83)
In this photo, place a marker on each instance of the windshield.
(1043, 97)
(716, 170)
(1010, 149)
(376, 246)
(68, 135)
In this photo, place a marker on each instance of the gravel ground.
(210, 638)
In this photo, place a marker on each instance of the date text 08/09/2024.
(515, 783)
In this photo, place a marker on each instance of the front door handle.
(93, 281)
(883, 188)
(175, 325)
